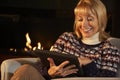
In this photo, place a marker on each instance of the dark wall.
(115, 18)
(40, 4)
(44, 20)
(43, 28)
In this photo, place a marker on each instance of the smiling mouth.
(87, 29)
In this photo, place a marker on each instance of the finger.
(69, 67)
(80, 61)
(68, 72)
(51, 61)
(63, 64)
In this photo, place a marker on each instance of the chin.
(87, 36)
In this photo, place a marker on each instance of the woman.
(97, 57)
(89, 42)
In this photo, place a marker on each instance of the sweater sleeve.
(91, 70)
(109, 64)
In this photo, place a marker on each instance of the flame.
(51, 48)
(13, 50)
(34, 48)
(25, 49)
(38, 47)
(28, 43)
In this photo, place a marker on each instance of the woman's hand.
(61, 70)
(84, 60)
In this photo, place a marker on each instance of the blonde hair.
(97, 8)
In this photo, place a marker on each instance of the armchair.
(10, 65)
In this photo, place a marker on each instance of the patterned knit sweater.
(105, 56)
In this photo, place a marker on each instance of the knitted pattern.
(105, 56)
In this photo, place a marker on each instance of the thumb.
(51, 61)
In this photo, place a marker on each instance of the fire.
(28, 44)
(39, 46)
(12, 49)
(51, 48)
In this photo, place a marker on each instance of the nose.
(84, 23)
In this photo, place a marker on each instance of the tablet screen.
(58, 58)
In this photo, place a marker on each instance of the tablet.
(58, 58)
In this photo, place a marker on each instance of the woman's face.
(87, 23)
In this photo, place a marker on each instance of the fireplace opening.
(44, 28)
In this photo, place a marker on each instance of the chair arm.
(9, 66)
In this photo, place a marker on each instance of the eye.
(80, 19)
(90, 18)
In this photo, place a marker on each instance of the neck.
(92, 40)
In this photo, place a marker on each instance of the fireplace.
(43, 26)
